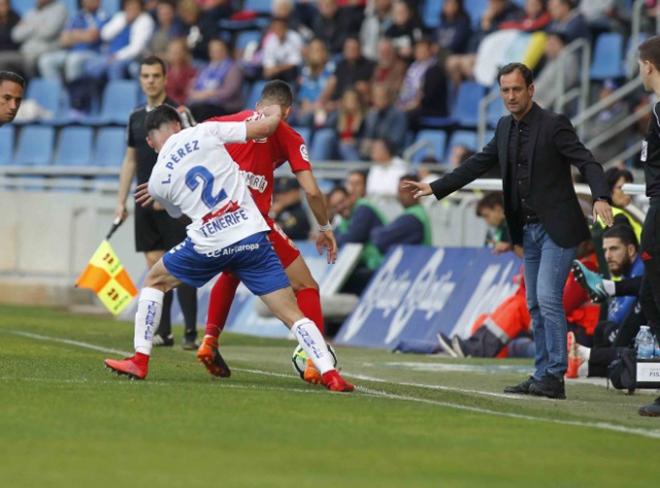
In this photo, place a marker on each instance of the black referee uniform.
(650, 245)
(155, 230)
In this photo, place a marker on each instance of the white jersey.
(196, 176)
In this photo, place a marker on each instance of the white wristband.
(325, 228)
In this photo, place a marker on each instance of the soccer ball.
(299, 359)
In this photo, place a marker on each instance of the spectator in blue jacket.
(455, 29)
(383, 121)
(79, 42)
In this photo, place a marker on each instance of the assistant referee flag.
(105, 276)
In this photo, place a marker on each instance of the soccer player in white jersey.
(195, 176)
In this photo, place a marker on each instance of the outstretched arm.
(266, 125)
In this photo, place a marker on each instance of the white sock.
(312, 342)
(609, 287)
(147, 319)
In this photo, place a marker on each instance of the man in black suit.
(535, 149)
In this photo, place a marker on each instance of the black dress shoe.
(549, 386)
(651, 410)
(521, 388)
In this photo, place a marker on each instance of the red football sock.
(309, 302)
(222, 295)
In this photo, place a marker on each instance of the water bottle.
(644, 343)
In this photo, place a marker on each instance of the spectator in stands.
(461, 66)
(287, 9)
(217, 87)
(181, 73)
(288, 211)
(536, 17)
(567, 20)
(491, 209)
(413, 226)
(36, 33)
(125, 38)
(386, 169)
(390, 68)
(334, 24)
(80, 41)
(282, 52)
(548, 83)
(353, 71)
(455, 29)
(312, 94)
(8, 20)
(348, 121)
(424, 90)
(337, 204)
(608, 117)
(605, 15)
(378, 18)
(356, 184)
(169, 27)
(383, 121)
(405, 29)
(205, 26)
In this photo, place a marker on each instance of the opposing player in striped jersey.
(195, 176)
(258, 160)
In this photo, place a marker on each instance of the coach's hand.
(603, 210)
(120, 212)
(326, 240)
(418, 188)
(142, 196)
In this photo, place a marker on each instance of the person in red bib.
(257, 161)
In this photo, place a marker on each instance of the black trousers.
(650, 248)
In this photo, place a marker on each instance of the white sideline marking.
(649, 433)
(439, 387)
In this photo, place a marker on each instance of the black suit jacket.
(553, 146)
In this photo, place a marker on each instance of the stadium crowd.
(362, 70)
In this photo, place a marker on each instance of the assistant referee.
(155, 231)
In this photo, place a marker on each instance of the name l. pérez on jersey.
(176, 157)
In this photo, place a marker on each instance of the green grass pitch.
(415, 421)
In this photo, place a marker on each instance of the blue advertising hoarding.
(419, 291)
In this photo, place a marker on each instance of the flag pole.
(115, 225)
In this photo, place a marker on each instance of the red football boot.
(135, 367)
(334, 382)
(209, 355)
(574, 359)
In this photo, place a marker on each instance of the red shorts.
(284, 247)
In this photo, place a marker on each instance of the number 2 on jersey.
(201, 173)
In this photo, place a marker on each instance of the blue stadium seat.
(259, 6)
(111, 7)
(431, 13)
(50, 95)
(6, 144)
(246, 37)
(74, 146)
(464, 138)
(466, 110)
(22, 6)
(607, 61)
(35, 145)
(435, 148)
(495, 111)
(255, 94)
(323, 145)
(110, 146)
(120, 98)
(475, 8)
